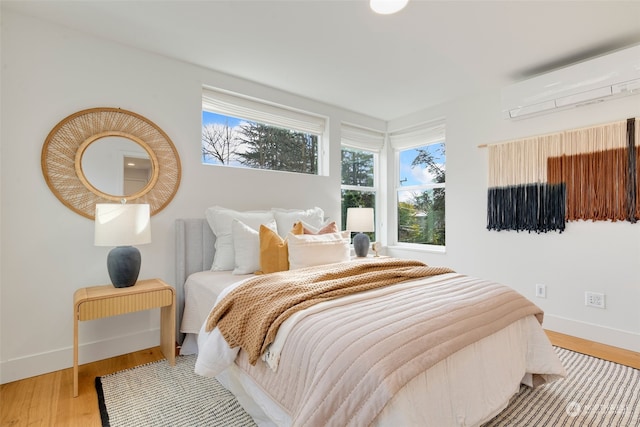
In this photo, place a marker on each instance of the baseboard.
(51, 361)
(592, 332)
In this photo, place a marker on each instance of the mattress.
(200, 293)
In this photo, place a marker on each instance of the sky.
(417, 175)
(212, 118)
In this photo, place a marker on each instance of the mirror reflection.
(117, 166)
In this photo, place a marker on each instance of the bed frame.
(194, 252)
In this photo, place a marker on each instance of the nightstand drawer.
(130, 303)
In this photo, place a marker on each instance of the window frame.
(420, 136)
(368, 141)
(237, 106)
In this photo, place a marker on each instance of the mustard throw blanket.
(249, 317)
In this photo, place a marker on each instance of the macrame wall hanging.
(538, 184)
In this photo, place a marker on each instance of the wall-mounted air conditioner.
(595, 80)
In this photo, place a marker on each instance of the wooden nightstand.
(103, 301)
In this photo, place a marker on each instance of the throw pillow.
(274, 255)
(285, 218)
(307, 250)
(246, 246)
(220, 220)
(301, 227)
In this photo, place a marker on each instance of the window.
(420, 187)
(243, 132)
(359, 182)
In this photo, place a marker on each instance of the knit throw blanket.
(250, 315)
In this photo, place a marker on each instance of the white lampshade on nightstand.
(360, 220)
(123, 226)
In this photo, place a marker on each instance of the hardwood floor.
(603, 351)
(47, 400)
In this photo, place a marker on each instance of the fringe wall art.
(538, 184)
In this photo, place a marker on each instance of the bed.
(323, 379)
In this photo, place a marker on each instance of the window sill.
(419, 248)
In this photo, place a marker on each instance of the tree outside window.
(237, 142)
(421, 195)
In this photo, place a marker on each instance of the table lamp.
(360, 220)
(123, 226)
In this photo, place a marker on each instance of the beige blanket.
(250, 315)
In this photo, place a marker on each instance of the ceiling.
(341, 53)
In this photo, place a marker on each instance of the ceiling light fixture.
(387, 7)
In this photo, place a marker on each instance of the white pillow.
(246, 246)
(306, 250)
(285, 218)
(220, 220)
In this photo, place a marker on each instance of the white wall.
(588, 256)
(47, 252)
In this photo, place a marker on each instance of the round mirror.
(104, 155)
(116, 166)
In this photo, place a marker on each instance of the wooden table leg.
(75, 353)
(168, 332)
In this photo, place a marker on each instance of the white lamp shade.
(122, 224)
(360, 220)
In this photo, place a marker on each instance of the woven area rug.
(595, 393)
(157, 394)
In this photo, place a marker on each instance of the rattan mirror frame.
(63, 148)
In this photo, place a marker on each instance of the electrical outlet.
(541, 290)
(594, 299)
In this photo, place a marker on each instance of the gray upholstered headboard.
(194, 252)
